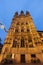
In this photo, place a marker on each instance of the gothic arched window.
(16, 30)
(18, 23)
(26, 23)
(27, 30)
(14, 43)
(22, 42)
(22, 30)
(22, 23)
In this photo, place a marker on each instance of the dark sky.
(9, 7)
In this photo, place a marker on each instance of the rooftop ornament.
(16, 14)
(22, 13)
(27, 13)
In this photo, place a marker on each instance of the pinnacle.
(22, 14)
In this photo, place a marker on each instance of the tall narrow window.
(22, 30)
(26, 23)
(18, 23)
(22, 42)
(29, 39)
(27, 30)
(16, 30)
(22, 23)
(40, 34)
(14, 43)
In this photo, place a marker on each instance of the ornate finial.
(22, 13)
(27, 13)
(16, 14)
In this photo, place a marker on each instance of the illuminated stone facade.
(23, 43)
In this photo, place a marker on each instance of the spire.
(16, 14)
(21, 13)
(27, 13)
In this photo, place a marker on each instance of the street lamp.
(2, 27)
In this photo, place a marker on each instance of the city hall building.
(23, 43)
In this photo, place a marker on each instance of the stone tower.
(22, 43)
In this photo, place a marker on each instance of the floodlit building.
(23, 43)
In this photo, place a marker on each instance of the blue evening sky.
(9, 7)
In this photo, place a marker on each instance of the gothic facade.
(23, 42)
